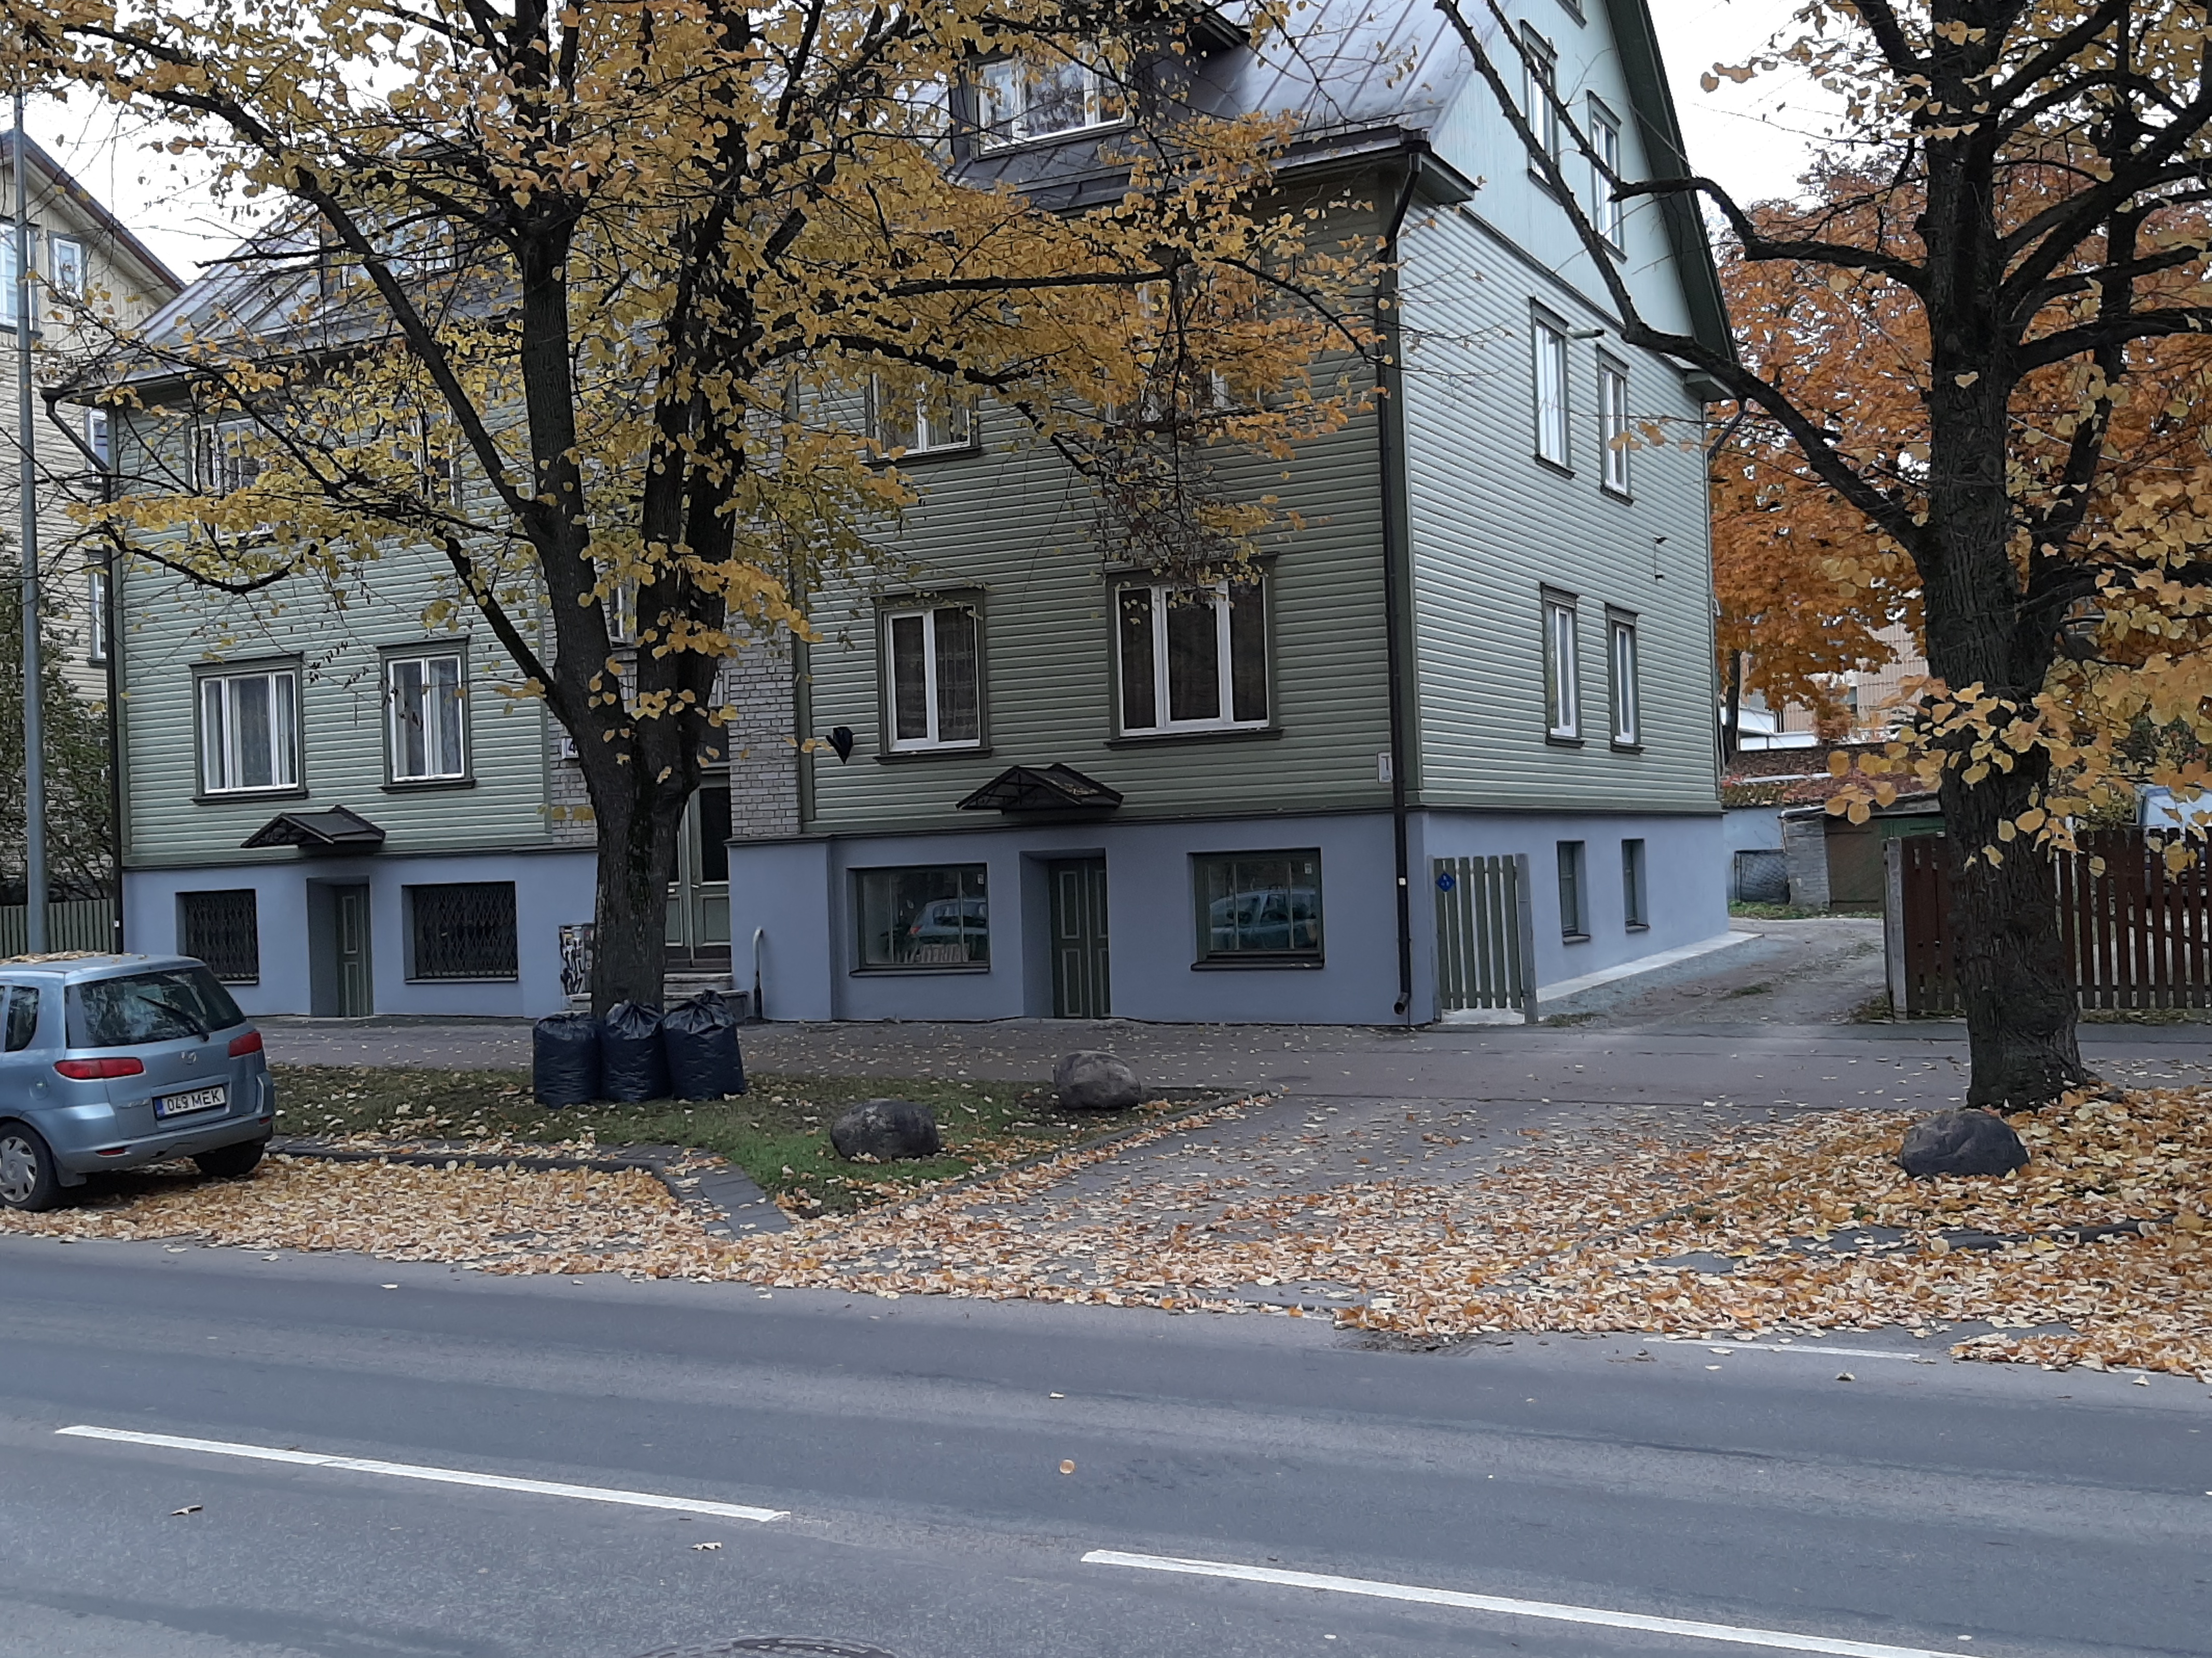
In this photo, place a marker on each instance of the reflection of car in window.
(1273, 918)
(947, 929)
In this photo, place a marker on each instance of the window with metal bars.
(462, 929)
(223, 929)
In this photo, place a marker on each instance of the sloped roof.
(52, 175)
(1355, 77)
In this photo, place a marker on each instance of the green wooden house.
(1046, 785)
(1065, 795)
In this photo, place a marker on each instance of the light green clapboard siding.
(1018, 524)
(1490, 525)
(169, 624)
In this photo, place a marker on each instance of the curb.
(720, 1190)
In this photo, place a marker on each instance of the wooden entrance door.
(1079, 938)
(350, 939)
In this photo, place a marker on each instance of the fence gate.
(1485, 936)
(2137, 934)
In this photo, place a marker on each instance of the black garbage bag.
(564, 1059)
(701, 1039)
(632, 1066)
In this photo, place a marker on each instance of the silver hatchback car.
(112, 1061)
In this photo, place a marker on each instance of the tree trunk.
(2013, 977)
(638, 821)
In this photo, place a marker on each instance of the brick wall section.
(762, 742)
(756, 687)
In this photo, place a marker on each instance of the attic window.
(68, 271)
(1022, 97)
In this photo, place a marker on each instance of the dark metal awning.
(1043, 788)
(337, 829)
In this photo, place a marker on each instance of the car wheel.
(28, 1180)
(228, 1162)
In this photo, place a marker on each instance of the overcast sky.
(1753, 139)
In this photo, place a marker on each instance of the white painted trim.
(442, 1476)
(1651, 964)
(1566, 988)
(1784, 1639)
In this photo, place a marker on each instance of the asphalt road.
(916, 1447)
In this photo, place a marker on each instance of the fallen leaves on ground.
(394, 1212)
(1803, 1225)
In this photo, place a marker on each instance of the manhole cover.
(799, 1645)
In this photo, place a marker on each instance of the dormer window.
(1020, 98)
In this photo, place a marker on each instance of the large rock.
(886, 1130)
(1095, 1082)
(1961, 1142)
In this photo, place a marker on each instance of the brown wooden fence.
(2138, 933)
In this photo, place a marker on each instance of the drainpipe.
(111, 608)
(1390, 430)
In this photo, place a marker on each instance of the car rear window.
(148, 1007)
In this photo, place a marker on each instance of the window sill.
(1260, 964)
(468, 979)
(1212, 734)
(1638, 926)
(946, 752)
(1621, 495)
(985, 149)
(225, 796)
(428, 784)
(1574, 938)
(1551, 465)
(1619, 747)
(1559, 742)
(925, 457)
(965, 969)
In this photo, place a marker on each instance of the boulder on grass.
(1970, 1142)
(1095, 1082)
(886, 1130)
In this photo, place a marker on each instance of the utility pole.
(34, 737)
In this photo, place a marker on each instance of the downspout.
(111, 608)
(1389, 423)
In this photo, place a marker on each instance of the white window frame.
(438, 767)
(958, 424)
(1614, 444)
(218, 731)
(1562, 710)
(220, 465)
(7, 276)
(998, 128)
(99, 437)
(1553, 407)
(72, 282)
(1224, 664)
(95, 635)
(1539, 83)
(1608, 211)
(1624, 660)
(933, 737)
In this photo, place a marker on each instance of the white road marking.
(1550, 1610)
(497, 1482)
(1837, 1352)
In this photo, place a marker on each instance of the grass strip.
(779, 1133)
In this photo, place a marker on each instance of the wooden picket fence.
(1486, 941)
(73, 923)
(2138, 933)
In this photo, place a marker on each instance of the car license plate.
(200, 1099)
